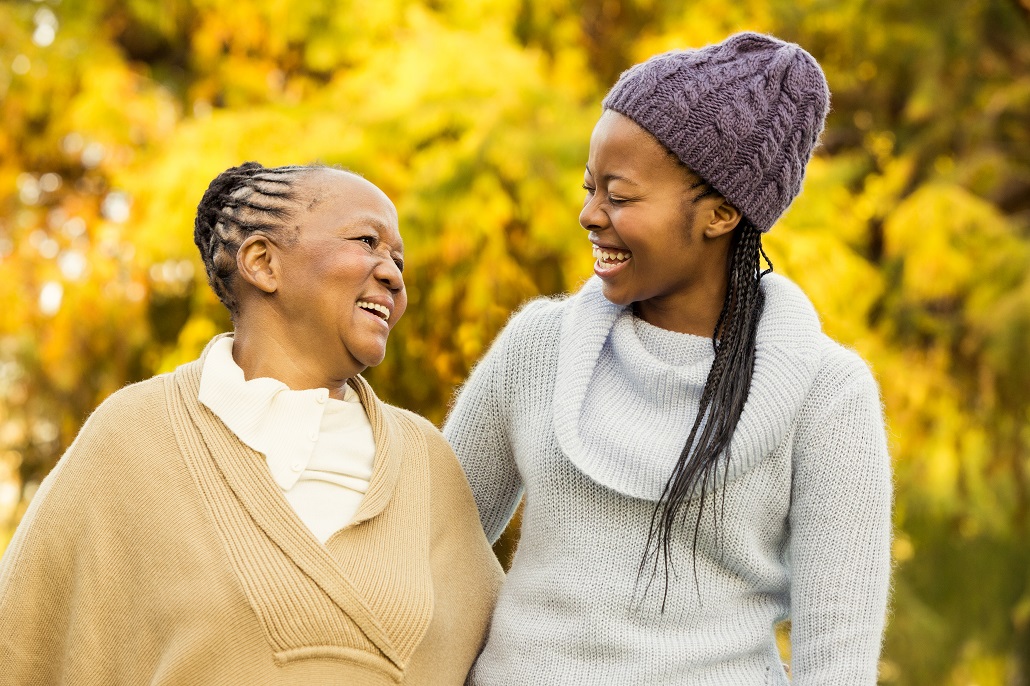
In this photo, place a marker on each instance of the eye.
(370, 241)
(615, 200)
(589, 189)
(400, 264)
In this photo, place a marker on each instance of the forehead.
(335, 197)
(617, 130)
(618, 144)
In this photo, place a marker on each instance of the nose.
(592, 217)
(389, 274)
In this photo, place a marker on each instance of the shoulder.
(412, 420)
(529, 338)
(841, 445)
(536, 317)
(142, 394)
(110, 453)
(536, 330)
(124, 442)
(791, 326)
(842, 369)
(844, 392)
(422, 427)
(142, 405)
(442, 460)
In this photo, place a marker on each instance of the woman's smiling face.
(653, 244)
(342, 288)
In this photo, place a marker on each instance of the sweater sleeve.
(37, 584)
(840, 522)
(478, 430)
(69, 553)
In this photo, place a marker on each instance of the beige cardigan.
(160, 551)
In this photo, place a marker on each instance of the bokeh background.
(912, 235)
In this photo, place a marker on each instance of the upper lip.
(594, 238)
(383, 300)
(609, 248)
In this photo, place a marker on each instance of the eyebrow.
(363, 221)
(613, 177)
(382, 227)
(367, 221)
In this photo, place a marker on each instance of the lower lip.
(607, 270)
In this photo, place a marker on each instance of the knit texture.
(803, 509)
(648, 393)
(744, 114)
(319, 450)
(160, 550)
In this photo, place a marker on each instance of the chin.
(371, 359)
(616, 297)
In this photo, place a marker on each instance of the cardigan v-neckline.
(249, 480)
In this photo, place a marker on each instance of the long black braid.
(240, 201)
(722, 399)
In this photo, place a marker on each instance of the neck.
(263, 351)
(695, 313)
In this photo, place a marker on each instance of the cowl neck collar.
(786, 362)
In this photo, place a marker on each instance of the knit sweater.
(320, 451)
(586, 410)
(161, 551)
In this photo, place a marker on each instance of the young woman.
(699, 461)
(258, 516)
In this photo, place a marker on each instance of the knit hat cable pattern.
(744, 114)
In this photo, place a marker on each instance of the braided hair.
(722, 399)
(239, 202)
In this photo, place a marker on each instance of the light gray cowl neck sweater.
(585, 408)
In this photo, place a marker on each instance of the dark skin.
(641, 202)
(313, 297)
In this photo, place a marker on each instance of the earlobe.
(724, 220)
(256, 263)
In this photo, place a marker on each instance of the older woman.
(258, 516)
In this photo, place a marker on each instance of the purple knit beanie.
(743, 114)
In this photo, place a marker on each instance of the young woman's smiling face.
(654, 244)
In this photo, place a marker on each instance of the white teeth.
(375, 308)
(606, 256)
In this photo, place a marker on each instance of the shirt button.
(323, 395)
(296, 466)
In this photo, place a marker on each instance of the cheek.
(345, 272)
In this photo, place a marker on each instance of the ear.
(724, 219)
(258, 264)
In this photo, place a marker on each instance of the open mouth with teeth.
(378, 310)
(606, 259)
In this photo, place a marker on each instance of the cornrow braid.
(240, 201)
(722, 401)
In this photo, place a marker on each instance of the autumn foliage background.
(912, 235)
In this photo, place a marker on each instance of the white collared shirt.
(319, 450)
